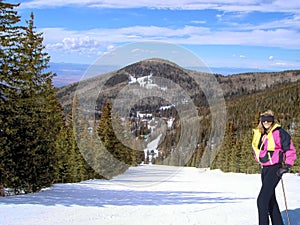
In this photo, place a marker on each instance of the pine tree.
(62, 147)
(10, 33)
(196, 157)
(43, 112)
(235, 157)
(247, 161)
(33, 116)
(115, 151)
(75, 149)
(227, 156)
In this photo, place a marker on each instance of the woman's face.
(267, 124)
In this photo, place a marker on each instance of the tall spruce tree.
(247, 162)
(31, 116)
(10, 33)
(228, 153)
(119, 153)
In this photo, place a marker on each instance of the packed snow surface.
(151, 195)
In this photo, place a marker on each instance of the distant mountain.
(231, 70)
(68, 73)
(231, 85)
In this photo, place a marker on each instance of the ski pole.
(286, 208)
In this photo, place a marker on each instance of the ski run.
(151, 195)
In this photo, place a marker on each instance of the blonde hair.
(260, 126)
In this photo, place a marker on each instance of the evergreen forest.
(37, 145)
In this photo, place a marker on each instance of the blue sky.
(257, 34)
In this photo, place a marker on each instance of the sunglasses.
(266, 121)
(267, 118)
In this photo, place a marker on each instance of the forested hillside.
(236, 154)
(246, 95)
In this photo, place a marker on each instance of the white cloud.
(281, 64)
(141, 50)
(198, 22)
(226, 5)
(79, 42)
(292, 23)
(98, 38)
(281, 33)
(271, 57)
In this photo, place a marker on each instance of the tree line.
(37, 142)
(32, 126)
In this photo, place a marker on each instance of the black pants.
(266, 202)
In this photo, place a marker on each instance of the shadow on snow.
(294, 215)
(84, 195)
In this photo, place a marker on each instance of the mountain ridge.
(68, 73)
(231, 85)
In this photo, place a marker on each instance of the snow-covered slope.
(148, 195)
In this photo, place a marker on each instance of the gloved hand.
(283, 170)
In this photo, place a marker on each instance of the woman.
(272, 146)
